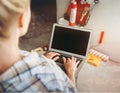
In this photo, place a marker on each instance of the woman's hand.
(70, 65)
(52, 55)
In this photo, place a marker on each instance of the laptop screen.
(70, 40)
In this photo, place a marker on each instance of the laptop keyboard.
(60, 60)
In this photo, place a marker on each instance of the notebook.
(71, 41)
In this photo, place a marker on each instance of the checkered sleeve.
(35, 73)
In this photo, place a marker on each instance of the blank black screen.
(70, 40)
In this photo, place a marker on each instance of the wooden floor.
(43, 16)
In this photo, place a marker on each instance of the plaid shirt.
(35, 73)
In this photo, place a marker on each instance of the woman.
(22, 71)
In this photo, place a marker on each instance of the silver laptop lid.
(68, 40)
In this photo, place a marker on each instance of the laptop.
(70, 41)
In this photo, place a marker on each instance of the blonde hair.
(10, 10)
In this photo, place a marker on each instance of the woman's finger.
(55, 58)
(53, 54)
(64, 60)
(77, 62)
(75, 59)
(69, 59)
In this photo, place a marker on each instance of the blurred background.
(43, 16)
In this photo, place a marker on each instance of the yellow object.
(94, 60)
(39, 50)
